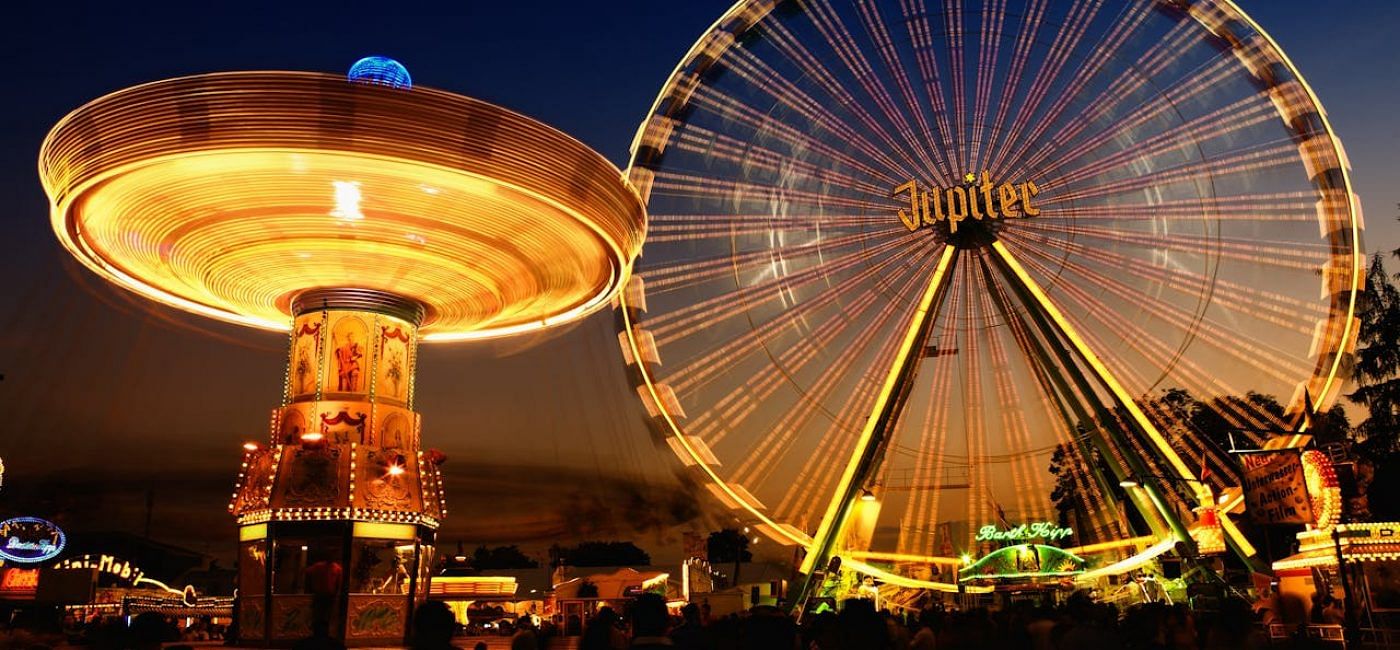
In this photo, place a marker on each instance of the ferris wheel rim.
(1355, 269)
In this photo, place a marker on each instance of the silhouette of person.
(433, 625)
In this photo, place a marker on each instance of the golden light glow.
(380, 530)
(1110, 545)
(299, 180)
(880, 556)
(1324, 491)
(1128, 564)
(867, 432)
(912, 583)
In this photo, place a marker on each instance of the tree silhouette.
(1378, 364)
(600, 554)
(501, 557)
(728, 545)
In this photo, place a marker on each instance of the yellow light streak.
(867, 432)
(902, 557)
(392, 194)
(1072, 335)
(912, 583)
(1110, 545)
(1128, 564)
(1124, 398)
(157, 583)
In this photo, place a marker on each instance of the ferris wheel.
(915, 253)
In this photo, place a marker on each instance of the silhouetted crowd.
(1078, 623)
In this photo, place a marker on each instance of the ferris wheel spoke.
(696, 270)
(1161, 353)
(1191, 86)
(953, 35)
(768, 449)
(1275, 155)
(838, 36)
(882, 414)
(1230, 120)
(714, 361)
(819, 72)
(716, 229)
(973, 412)
(988, 49)
(922, 505)
(939, 169)
(1273, 254)
(801, 497)
(733, 109)
(1020, 59)
(821, 167)
(1058, 415)
(1111, 434)
(802, 500)
(1125, 400)
(1187, 371)
(1030, 485)
(705, 313)
(700, 187)
(1291, 207)
(1066, 41)
(1166, 453)
(1123, 29)
(1204, 330)
(915, 18)
(1189, 285)
(1264, 306)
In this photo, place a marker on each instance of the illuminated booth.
(364, 216)
(1358, 564)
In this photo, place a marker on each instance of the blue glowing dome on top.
(380, 70)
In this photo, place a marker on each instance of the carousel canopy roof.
(228, 194)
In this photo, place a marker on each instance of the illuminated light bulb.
(313, 437)
(395, 470)
(347, 201)
(250, 446)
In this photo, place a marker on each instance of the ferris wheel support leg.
(1123, 399)
(883, 414)
(1069, 408)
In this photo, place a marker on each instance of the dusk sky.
(106, 397)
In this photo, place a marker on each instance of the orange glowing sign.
(972, 200)
(14, 580)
